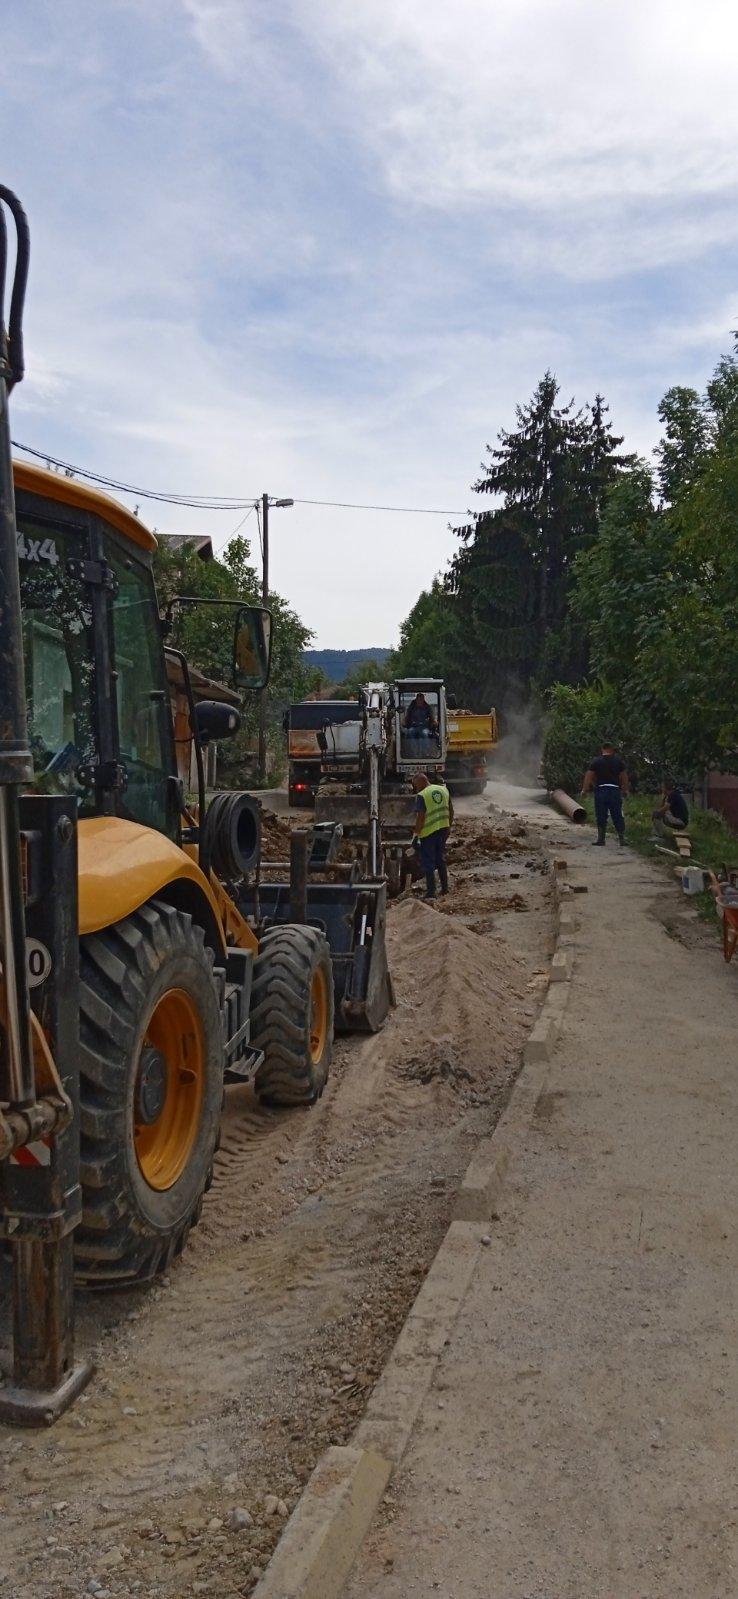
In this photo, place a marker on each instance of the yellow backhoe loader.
(144, 965)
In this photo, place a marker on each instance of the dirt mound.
(469, 841)
(463, 1001)
(275, 837)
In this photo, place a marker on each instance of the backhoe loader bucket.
(353, 918)
(334, 804)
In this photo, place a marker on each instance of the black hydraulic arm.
(16, 765)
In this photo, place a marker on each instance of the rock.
(173, 1535)
(283, 1159)
(256, 1572)
(62, 1505)
(130, 1410)
(270, 1505)
(238, 1519)
(215, 1523)
(282, 1509)
(486, 1240)
(114, 1557)
(145, 1529)
(94, 1586)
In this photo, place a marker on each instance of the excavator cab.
(420, 724)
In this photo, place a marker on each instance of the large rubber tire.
(292, 1014)
(150, 971)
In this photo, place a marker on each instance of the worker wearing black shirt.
(607, 775)
(673, 811)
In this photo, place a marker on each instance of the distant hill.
(338, 663)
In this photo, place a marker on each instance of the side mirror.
(452, 703)
(216, 720)
(252, 647)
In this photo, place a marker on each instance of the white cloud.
(324, 249)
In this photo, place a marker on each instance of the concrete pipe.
(570, 807)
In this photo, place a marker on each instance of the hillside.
(338, 663)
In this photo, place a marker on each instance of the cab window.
(58, 658)
(144, 715)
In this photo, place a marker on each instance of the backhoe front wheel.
(292, 1014)
(151, 1085)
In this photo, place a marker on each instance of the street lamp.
(266, 501)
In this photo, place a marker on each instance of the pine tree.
(512, 577)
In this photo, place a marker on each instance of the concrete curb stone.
(327, 1527)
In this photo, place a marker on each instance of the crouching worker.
(433, 819)
(672, 813)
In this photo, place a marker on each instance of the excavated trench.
(218, 1389)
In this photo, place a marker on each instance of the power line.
(217, 502)
(242, 523)
(203, 502)
(406, 510)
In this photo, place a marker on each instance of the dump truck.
(303, 721)
(472, 736)
(144, 963)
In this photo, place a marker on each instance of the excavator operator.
(419, 719)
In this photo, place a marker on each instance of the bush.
(578, 720)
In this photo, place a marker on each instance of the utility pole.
(265, 503)
(265, 603)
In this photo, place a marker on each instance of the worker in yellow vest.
(433, 818)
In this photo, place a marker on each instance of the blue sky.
(323, 249)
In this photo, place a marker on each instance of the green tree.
(316, 680)
(512, 577)
(364, 672)
(205, 633)
(658, 592)
(429, 643)
(682, 451)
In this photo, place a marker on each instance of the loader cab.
(420, 723)
(99, 710)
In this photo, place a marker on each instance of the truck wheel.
(151, 1086)
(292, 1014)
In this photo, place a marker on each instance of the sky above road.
(322, 249)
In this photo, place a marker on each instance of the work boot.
(600, 839)
(621, 840)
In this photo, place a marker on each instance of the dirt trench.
(218, 1389)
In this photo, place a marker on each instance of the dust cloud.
(518, 754)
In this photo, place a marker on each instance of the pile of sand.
(464, 1005)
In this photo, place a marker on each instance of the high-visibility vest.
(437, 804)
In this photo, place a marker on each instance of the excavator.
(144, 965)
(367, 765)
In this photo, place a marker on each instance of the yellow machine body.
(123, 864)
